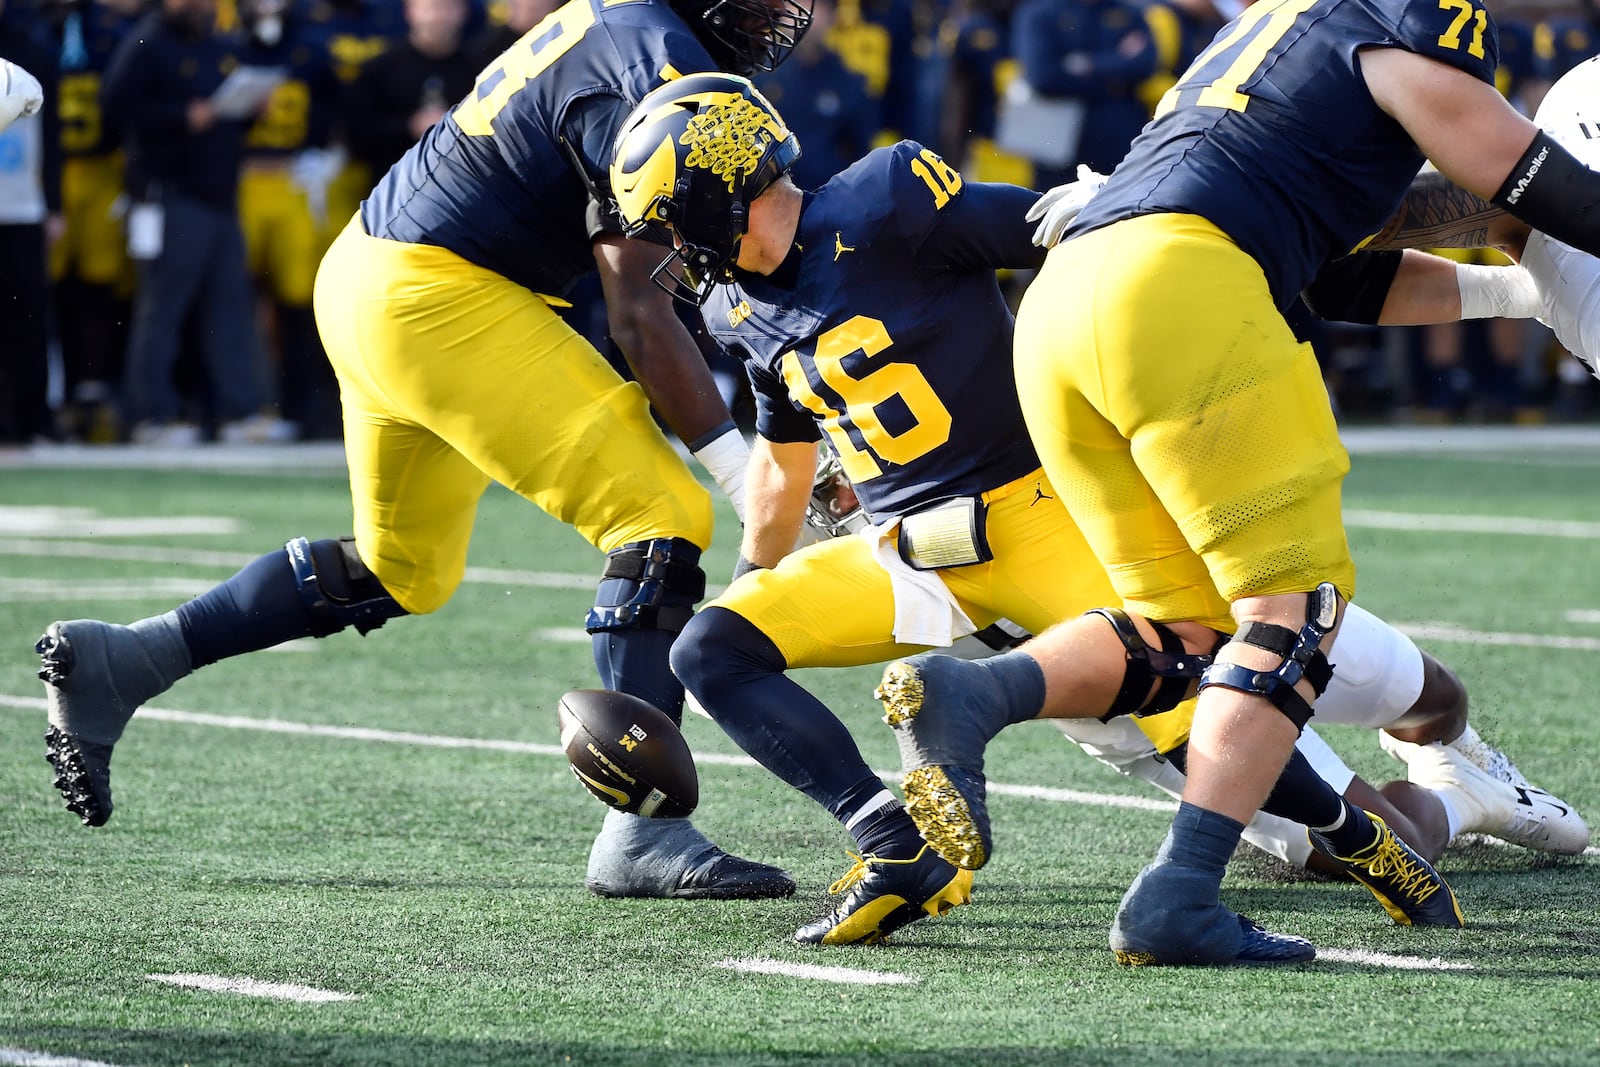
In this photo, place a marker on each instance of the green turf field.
(315, 817)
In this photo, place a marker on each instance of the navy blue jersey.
(299, 113)
(1272, 135)
(87, 37)
(893, 339)
(495, 180)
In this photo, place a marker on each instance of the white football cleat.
(1540, 820)
(1487, 804)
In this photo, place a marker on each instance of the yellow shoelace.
(1391, 862)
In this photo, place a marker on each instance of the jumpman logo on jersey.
(1038, 495)
(839, 247)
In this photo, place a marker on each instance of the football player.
(1190, 431)
(436, 308)
(1466, 784)
(283, 204)
(93, 277)
(868, 312)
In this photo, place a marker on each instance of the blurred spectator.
(355, 32)
(1181, 30)
(975, 66)
(30, 203)
(406, 89)
(824, 103)
(93, 279)
(1098, 53)
(520, 16)
(878, 40)
(183, 227)
(283, 206)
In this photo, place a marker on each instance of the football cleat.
(885, 894)
(1257, 946)
(1542, 822)
(83, 775)
(668, 858)
(96, 675)
(1407, 886)
(1488, 758)
(926, 700)
(1491, 796)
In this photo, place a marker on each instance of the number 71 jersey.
(1272, 135)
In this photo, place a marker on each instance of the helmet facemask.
(747, 36)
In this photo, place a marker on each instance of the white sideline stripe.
(11, 546)
(1444, 631)
(252, 987)
(1383, 959)
(352, 733)
(565, 635)
(816, 972)
(396, 737)
(1490, 524)
(27, 1058)
(39, 590)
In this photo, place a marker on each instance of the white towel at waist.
(925, 611)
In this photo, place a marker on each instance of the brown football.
(627, 753)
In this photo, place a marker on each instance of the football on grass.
(627, 753)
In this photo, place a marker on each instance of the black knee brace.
(667, 582)
(337, 588)
(1302, 658)
(1175, 665)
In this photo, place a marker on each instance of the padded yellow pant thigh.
(832, 604)
(1189, 432)
(452, 376)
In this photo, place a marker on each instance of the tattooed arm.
(1436, 213)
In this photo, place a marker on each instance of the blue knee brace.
(337, 588)
(1302, 658)
(664, 584)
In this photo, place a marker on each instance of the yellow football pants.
(1190, 433)
(451, 377)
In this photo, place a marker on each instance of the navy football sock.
(1200, 839)
(257, 608)
(1021, 683)
(1301, 794)
(736, 673)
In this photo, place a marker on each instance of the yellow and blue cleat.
(883, 894)
(1410, 890)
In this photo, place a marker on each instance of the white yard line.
(817, 973)
(254, 987)
(22, 1057)
(1367, 958)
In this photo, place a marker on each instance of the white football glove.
(1059, 206)
(20, 93)
(1568, 282)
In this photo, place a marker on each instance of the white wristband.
(1496, 292)
(725, 458)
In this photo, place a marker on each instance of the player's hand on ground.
(1060, 205)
